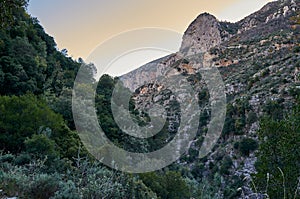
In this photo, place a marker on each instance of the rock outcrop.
(203, 34)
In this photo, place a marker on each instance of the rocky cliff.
(203, 34)
(258, 58)
(206, 32)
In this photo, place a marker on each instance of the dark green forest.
(41, 155)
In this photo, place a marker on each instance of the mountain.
(256, 154)
(258, 59)
(206, 32)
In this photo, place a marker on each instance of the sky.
(81, 26)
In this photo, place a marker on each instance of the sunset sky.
(81, 25)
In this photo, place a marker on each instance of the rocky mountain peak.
(202, 34)
(206, 34)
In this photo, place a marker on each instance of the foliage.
(167, 185)
(226, 165)
(29, 61)
(85, 180)
(41, 146)
(247, 145)
(278, 154)
(7, 9)
(22, 117)
(62, 105)
(252, 117)
(27, 120)
(235, 120)
(273, 109)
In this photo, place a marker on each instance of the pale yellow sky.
(80, 25)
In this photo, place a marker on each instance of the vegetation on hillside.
(41, 155)
(278, 163)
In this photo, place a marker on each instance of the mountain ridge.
(196, 41)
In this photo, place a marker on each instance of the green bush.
(247, 145)
(40, 145)
(252, 117)
(7, 158)
(23, 158)
(169, 185)
(22, 118)
(28, 182)
(86, 180)
(67, 190)
(226, 165)
(43, 186)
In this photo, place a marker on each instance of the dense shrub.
(226, 165)
(168, 185)
(29, 118)
(278, 156)
(86, 180)
(247, 145)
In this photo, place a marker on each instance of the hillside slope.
(258, 59)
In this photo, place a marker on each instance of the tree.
(247, 145)
(7, 9)
(23, 117)
(278, 163)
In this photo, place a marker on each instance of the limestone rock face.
(203, 34)
(148, 73)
